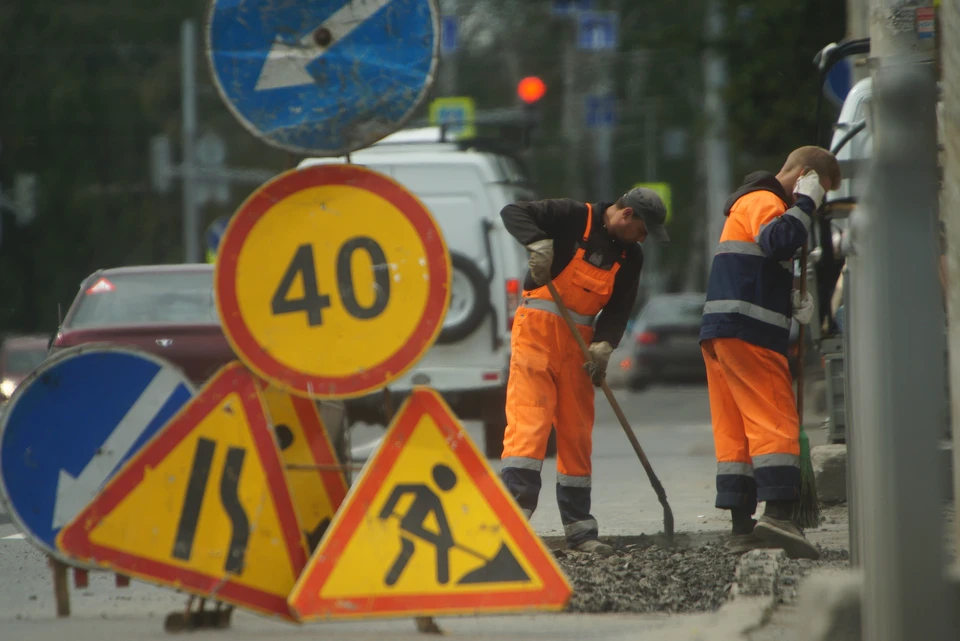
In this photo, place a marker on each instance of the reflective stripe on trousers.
(756, 429)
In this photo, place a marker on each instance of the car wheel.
(469, 300)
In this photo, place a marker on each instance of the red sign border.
(257, 358)
(74, 539)
(305, 600)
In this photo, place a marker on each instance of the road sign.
(600, 110)
(303, 441)
(597, 30)
(663, 190)
(570, 7)
(449, 34)
(72, 423)
(332, 281)
(326, 77)
(204, 507)
(458, 112)
(448, 537)
(838, 82)
(214, 235)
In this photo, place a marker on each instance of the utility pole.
(571, 115)
(651, 249)
(858, 27)
(716, 151)
(950, 202)
(188, 74)
(895, 293)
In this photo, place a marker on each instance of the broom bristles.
(808, 509)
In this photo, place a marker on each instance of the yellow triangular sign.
(204, 506)
(428, 529)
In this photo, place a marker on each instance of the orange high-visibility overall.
(549, 387)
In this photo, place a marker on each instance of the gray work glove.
(809, 185)
(596, 367)
(541, 260)
(802, 307)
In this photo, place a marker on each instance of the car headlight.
(7, 387)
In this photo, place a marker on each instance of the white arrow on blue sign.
(72, 423)
(600, 110)
(325, 77)
(597, 30)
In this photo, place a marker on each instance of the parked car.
(169, 311)
(19, 356)
(464, 184)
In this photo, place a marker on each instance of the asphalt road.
(672, 424)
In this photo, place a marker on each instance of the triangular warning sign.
(204, 506)
(318, 488)
(428, 529)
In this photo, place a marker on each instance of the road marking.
(286, 64)
(18, 535)
(73, 494)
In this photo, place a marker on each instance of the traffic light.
(531, 89)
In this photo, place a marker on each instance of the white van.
(464, 186)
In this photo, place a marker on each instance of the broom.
(808, 508)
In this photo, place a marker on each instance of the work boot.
(787, 535)
(743, 543)
(593, 546)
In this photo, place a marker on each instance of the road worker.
(591, 252)
(744, 335)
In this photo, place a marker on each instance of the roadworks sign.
(428, 529)
(204, 507)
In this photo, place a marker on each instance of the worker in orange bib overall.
(744, 336)
(591, 252)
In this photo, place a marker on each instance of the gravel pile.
(650, 579)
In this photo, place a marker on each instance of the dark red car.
(19, 356)
(169, 311)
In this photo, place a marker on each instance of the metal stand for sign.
(60, 590)
(424, 624)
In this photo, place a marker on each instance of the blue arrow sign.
(71, 425)
(449, 34)
(215, 232)
(838, 82)
(325, 77)
(597, 30)
(600, 110)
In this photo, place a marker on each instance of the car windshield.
(23, 361)
(673, 311)
(148, 298)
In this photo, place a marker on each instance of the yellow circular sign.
(332, 281)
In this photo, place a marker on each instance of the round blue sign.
(325, 77)
(72, 423)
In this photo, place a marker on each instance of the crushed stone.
(645, 579)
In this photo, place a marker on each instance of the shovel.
(654, 481)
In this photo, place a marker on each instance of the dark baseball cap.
(648, 205)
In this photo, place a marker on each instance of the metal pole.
(571, 117)
(858, 27)
(651, 248)
(902, 336)
(716, 156)
(950, 76)
(191, 219)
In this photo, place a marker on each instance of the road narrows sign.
(70, 426)
(449, 539)
(332, 281)
(325, 77)
(204, 507)
(303, 441)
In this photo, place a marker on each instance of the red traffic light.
(531, 89)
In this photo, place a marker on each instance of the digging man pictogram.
(501, 568)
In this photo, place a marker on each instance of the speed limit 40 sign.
(332, 281)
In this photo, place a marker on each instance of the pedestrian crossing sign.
(457, 113)
(203, 507)
(428, 530)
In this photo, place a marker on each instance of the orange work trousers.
(756, 429)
